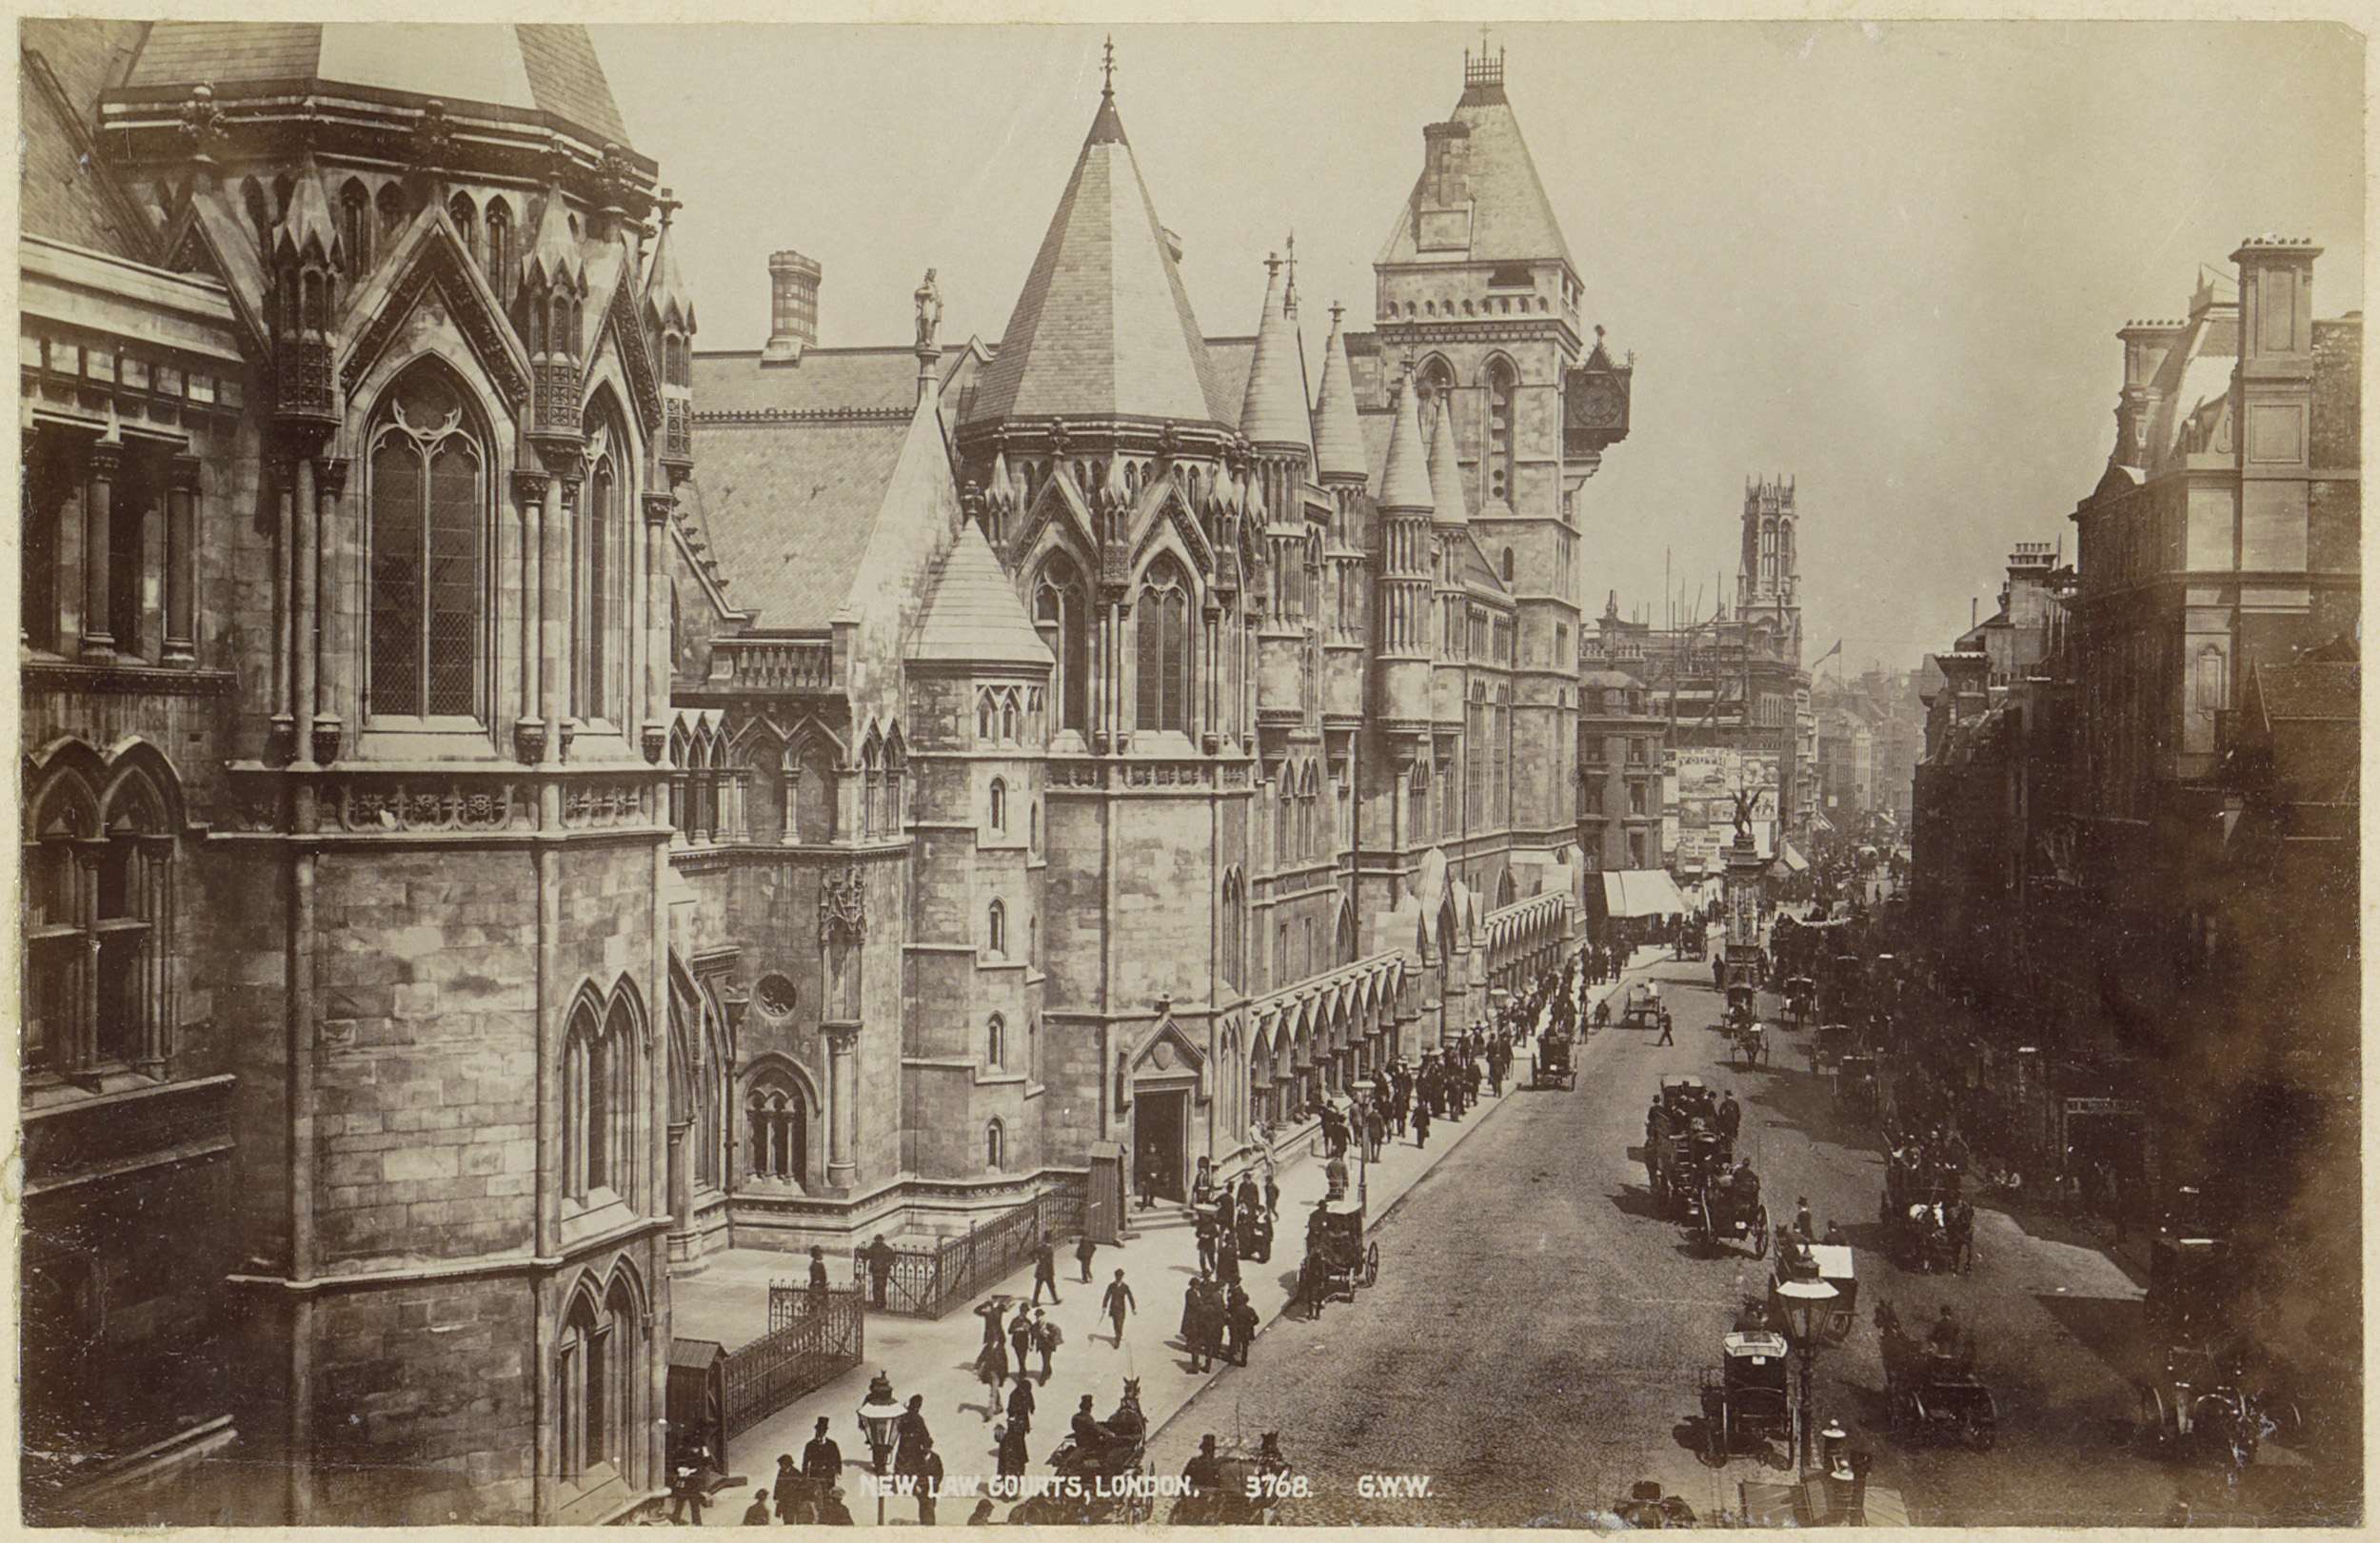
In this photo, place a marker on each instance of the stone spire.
(1273, 414)
(1337, 433)
(1446, 471)
(306, 231)
(1405, 479)
(669, 305)
(553, 259)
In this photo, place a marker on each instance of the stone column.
(528, 729)
(553, 663)
(656, 599)
(105, 458)
(843, 1124)
(305, 527)
(330, 649)
(681, 1179)
(679, 815)
(182, 561)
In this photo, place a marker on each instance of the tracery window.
(775, 1129)
(429, 495)
(1062, 614)
(1165, 649)
(596, 1361)
(600, 592)
(98, 920)
(466, 224)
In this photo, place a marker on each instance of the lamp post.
(877, 1418)
(1802, 1304)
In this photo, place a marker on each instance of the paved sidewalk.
(937, 1357)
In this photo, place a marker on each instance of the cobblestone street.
(1535, 1341)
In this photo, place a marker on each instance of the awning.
(1795, 861)
(1635, 892)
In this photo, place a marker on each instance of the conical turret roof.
(1103, 325)
(1405, 481)
(553, 258)
(1446, 472)
(1274, 412)
(1509, 218)
(1338, 432)
(308, 221)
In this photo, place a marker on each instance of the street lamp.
(1802, 1307)
(878, 1416)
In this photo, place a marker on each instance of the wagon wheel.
(1983, 1424)
(2156, 1414)
(1760, 1234)
(1371, 1264)
(1141, 1503)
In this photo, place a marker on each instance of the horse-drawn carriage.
(1922, 1219)
(1932, 1388)
(1682, 1142)
(1241, 1491)
(1745, 1396)
(1826, 1049)
(2203, 1408)
(1727, 1209)
(1111, 1477)
(1801, 999)
(1338, 1258)
(1551, 1066)
(1643, 1009)
(1856, 1089)
(1748, 1043)
(1743, 1006)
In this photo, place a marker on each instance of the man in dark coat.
(1421, 1125)
(1731, 1115)
(1083, 1249)
(1045, 1271)
(879, 1263)
(1240, 1323)
(1117, 1304)
(1247, 1199)
(911, 1438)
(1019, 1338)
(1021, 1405)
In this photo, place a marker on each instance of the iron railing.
(928, 1282)
(814, 1337)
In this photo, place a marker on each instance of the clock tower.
(1477, 286)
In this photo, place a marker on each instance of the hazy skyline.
(1887, 259)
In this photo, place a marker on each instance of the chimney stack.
(793, 281)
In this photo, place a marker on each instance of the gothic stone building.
(512, 807)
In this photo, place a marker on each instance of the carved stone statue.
(929, 297)
(1745, 799)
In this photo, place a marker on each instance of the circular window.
(774, 994)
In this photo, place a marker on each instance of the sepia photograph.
(758, 761)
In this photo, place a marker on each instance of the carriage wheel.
(1371, 1264)
(2156, 1415)
(1760, 1234)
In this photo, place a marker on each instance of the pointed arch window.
(356, 228)
(999, 807)
(1062, 614)
(775, 1123)
(465, 220)
(996, 930)
(596, 1382)
(600, 580)
(427, 493)
(499, 249)
(598, 1103)
(995, 1147)
(1165, 649)
(995, 1044)
(1508, 566)
(1434, 380)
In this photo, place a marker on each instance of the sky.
(1887, 259)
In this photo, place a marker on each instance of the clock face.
(1598, 404)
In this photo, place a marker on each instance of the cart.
(1935, 1394)
(1552, 1067)
(1742, 1006)
(1727, 1213)
(1644, 1010)
(1832, 1263)
(1744, 1396)
(2201, 1407)
(1338, 1258)
(1114, 1483)
(1247, 1492)
(1801, 999)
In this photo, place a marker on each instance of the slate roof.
(1228, 362)
(68, 195)
(790, 506)
(825, 380)
(549, 67)
(1511, 219)
(1103, 326)
(972, 613)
